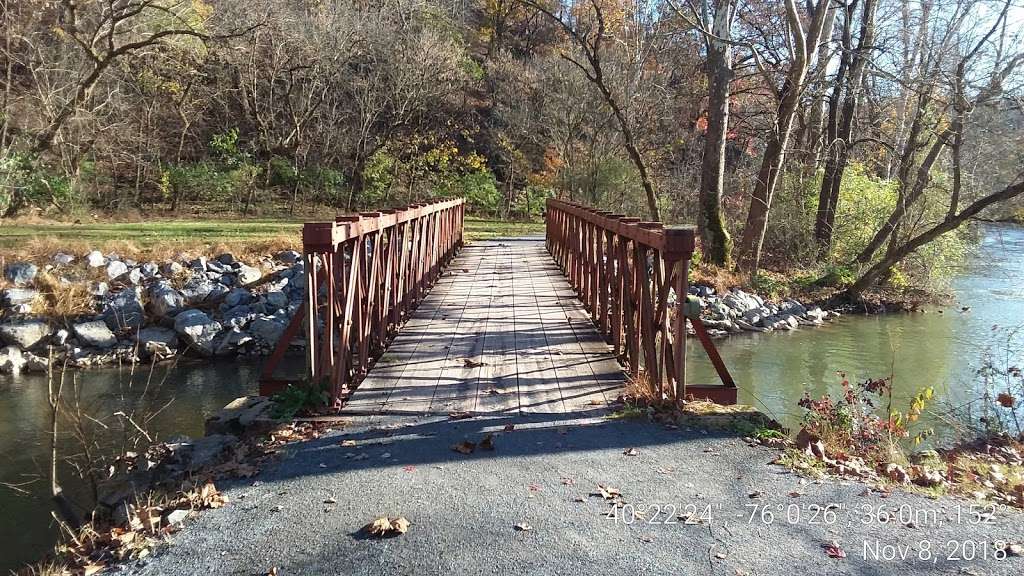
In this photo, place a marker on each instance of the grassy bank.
(40, 239)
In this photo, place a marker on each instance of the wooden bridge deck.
(500, 332)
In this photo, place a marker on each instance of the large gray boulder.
(116, 269)
(248, 274)
(18, 296)
(199, 289)
(95, 259)
(237, 297)
(95, 333)
(158, 334)
(198, 330)
(164, 299)
(21, 273)
(124, 311)
(740, 301)
(276, 299)
(288, 257)
(269, 328)
(25, 335)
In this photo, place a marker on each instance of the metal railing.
(632, 277)
(364, 275)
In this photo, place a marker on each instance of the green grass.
(15, 235)
(150, 233)
(483, 228)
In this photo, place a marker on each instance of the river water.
(773, 370)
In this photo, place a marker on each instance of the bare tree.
(591, 38)
(803, 42)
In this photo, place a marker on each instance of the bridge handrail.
(629, 304)
(364, 274)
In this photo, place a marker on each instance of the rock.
(62, 259)
(164, 336)
(248, 274)
(198, 289)
(175, 518)
(288, 257)
(740, 301)
(226, 259)
(229, 342)
(237, 297)
(11, 360)
(172, 269)
(60, 337)
(159, 350)
(124, 311)
(248, 415)
(276, 300)
(194, 455)
(18, 296)
(150, 270)
(25, 335)
(198, 330)
(816, 315)
(269, 328)
(755, 316)
(792, 307)
(238, 316)
(99, 289)
(164, 300)
(198, 265)
(225, 279)
(116, 269)
(35, 363)
(929, 478)
(215, 269)
(135, 276)
(95, 333)
(21, 273)
(95, 259)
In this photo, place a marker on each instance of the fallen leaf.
(721, 555)
(459, 415)
(387, 526)
(568, 482)
(1006, 400)
(795, 494)
(330, 501)
(90, 569)
(409, 468)
(510, 427)
(833, 550)
(470, 363)
(631, 452)
(523, 527)
(606, 492)
(755, 494)
(464, 447)
(272, 571)
(347, 443)
(487, 443)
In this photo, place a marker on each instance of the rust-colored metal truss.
(364, 275)
(623, 268)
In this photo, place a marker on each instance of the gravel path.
(464, 508)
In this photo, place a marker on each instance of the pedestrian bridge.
(422, 323)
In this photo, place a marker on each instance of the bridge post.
(679, 245)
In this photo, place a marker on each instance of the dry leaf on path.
(523, 527)
(388, 526)
(470, 363)
(464, 447)
(631, 452)
(488, 442)
(833, 550)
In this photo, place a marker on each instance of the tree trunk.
(764, 187)
(840, 139)
(714, 237)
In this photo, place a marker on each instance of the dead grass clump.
(721, 279)
(62, 300)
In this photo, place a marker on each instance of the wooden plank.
(536, 375)
(498, 390)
